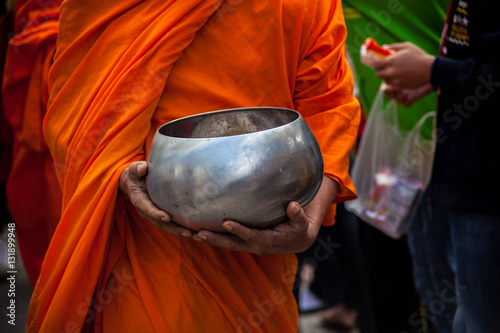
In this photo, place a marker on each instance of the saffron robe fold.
(33, 192)
(122, 68)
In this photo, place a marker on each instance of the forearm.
(319, 206)
(463, 76)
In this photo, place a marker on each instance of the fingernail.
(197, 238)
(202, 236)
(227, 226)
(186, 234)
(165, 219)
(295, 209)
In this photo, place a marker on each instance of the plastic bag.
(391, 170)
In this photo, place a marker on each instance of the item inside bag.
(391, 198)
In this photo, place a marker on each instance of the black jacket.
(466, 173)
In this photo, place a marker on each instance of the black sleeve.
(463, 76)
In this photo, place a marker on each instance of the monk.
(33, 193)
(117, 263)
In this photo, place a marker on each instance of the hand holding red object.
(372, 53)
(408, 68)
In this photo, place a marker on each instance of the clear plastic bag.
(391, 170)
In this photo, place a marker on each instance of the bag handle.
(415, 131)
(380, 105)
(420, 123)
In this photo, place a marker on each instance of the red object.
(372, 46)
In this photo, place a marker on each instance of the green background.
(393, 21)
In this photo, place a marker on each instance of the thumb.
(295, 212)
(138, 170)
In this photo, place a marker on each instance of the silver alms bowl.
(242, 164)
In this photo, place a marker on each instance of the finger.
(295, 213)
(399, 46)
(228, 242)
(392, 95)
(380, 64)
(176, 229)
(249, 235)
(392, 89)
(407, 100)
(395, 93)
(138, 170)
(384, 74)
(146, 208)
(399, 97)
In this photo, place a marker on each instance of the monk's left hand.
(293, 236)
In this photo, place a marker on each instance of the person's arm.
(464, 76)
(411, 67)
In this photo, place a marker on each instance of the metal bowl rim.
(223, 111)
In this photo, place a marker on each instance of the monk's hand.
(409, 68)
(292, 236)
(133, 186)
(295, 235)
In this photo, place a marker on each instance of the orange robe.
(121, 69)
(33, 192)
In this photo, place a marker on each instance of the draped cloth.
(121, 69)
(32, 190)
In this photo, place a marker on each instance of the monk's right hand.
(133, 185)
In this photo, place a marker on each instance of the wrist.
(319, 206)
(427, 66)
